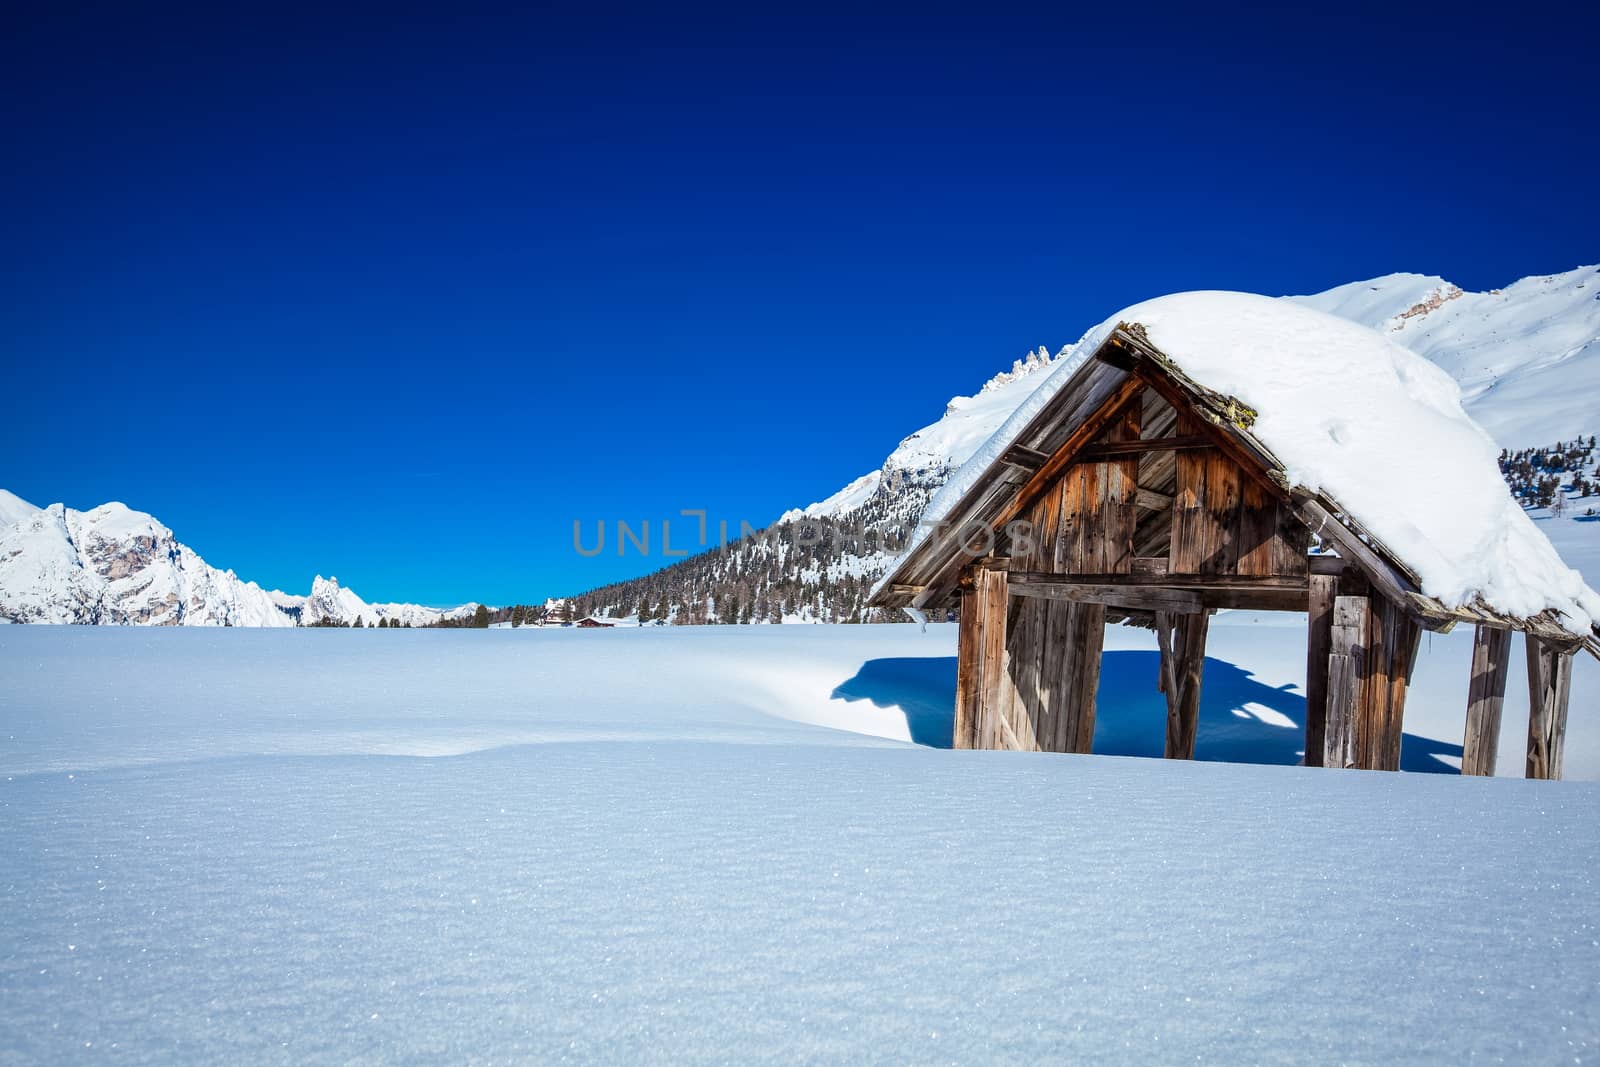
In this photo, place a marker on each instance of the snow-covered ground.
(712, 844)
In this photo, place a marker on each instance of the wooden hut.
(1128, 490)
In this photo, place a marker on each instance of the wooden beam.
(1119, 449)
(1178, 601)
(1235, 582)
(1319, 640)
(1121, 596)
(1028, 459)
(1549, 688)
(1117, 353)
(1182, 640)
(1345, 652)
(1486, 698)
(1151, 500)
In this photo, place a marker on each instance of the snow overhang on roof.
(1367, 438)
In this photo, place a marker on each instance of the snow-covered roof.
(1353, 416)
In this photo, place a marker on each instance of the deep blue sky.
(397, 295)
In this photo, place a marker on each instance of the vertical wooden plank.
(1486, 698)
(1048, 675)
(1290, 543)
(1549, 690)
(1257, 528)
(1221, 513)
(969, 643)
(1319, 637)
(1182, 640)
(1084, 683)
(994, 595)
(1022, 665)
(1189, 545)
(1391, 649)
(1070, 538)
(1089, 551)
(1345, 652)
(1118, 484)
(1077, 675)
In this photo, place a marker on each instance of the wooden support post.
(1182, 640)
(1549, 687)
(1319, 636)
(993, 680)
(1346, 640)
(1391, 653)
(1486, 697)
(969, 641)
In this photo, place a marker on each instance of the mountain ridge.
(112, 565)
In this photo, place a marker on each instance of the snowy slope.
(13, 508)
(1527, 357)
(113, 565)
(199, 870)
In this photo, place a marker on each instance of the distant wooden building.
(1147, 497)
(594, 624)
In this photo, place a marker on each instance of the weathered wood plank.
(993, 603)
(1119, 483)
(1150, 499)
(1392, 639)
(1221, 514)
(1174, 600)
(1256, 530)
(1028, 459)
(1083, 682)
(1182, 641)
(1549, 690)
(1347, 636)
(1088, 553)
(1291, 541)
(1486, 698)
(1024, 653)
(1189, 547)
(968, 670)
(1319, 640)
(1140, 579)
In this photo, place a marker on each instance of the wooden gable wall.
(1124, 507)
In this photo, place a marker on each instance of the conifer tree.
(480, 618)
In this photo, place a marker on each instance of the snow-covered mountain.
(1527, 358)
(113, 565)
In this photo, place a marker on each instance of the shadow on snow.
(1242, 720)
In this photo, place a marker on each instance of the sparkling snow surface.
(291, 846)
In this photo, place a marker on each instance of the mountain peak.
(14, 509)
